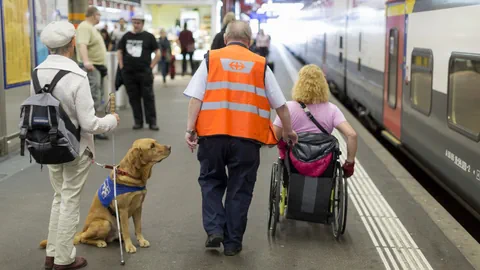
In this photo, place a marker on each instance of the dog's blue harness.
(106, 195)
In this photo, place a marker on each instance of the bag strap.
(309, 114)
(24, 128)
(36, 83)
(57, 78)
(49, 87)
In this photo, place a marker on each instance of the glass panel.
(421, 81)
(392, 67)
(464, 93)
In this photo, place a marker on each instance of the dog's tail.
(76, 240)
(43, 244)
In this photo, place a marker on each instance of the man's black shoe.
(214, 241)
(101, 137)
(232, 251)
(154, 127)
(137, 126)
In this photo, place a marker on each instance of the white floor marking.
(382, 224)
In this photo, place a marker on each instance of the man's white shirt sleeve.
(197, 85)
(274, 93)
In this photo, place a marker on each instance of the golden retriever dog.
(134, 171)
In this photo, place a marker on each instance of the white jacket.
(73, 92)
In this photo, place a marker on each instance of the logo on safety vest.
(240, 66)
(237, 65)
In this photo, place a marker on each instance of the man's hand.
(88, 66)
(290, 137)
(117, 117)
(191, 140)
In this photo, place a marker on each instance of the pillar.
(3, 109)
(76, 11)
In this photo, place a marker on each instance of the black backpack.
(45, 128)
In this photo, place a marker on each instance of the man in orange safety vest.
(231, 95)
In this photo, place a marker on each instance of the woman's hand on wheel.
(348, 168)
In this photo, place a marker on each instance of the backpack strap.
(48, 88)
(36, 83)
(52, 133)
(309, 114)
(55, 80)
(24, 128)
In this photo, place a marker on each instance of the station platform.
(393, 223)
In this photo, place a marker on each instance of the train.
(411, 68)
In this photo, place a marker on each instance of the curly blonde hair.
(311, 86)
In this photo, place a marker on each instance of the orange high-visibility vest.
(235, 102)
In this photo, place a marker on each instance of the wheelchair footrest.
(309, 198)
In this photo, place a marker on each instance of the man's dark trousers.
(242, 158)
(139, 85)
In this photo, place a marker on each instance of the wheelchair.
(322, 199)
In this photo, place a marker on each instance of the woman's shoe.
(79, 262)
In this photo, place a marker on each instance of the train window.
(359, 65)
(392, 67)
(340, 57)
(421, 80)
(464, 94)
(341, 42)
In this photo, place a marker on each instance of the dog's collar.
(119, 171)
(111, 167)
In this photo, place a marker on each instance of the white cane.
(112, 110)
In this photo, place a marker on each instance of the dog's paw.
(143, 243)
(130, 248)
(101, 244)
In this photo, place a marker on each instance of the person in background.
(187, 44)
(312, 89)
(91, 53)
(106, 39)
(231, 130)
(262, 43)
(166, 52)
(73, 92)
(135, 61)
(218, 41)
(117, 34)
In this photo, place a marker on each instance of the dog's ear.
(135, 158)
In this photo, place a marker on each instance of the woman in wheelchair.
(319, 116)
(308, 182)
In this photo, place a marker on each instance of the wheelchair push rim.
(275, 200)
(270, 197)
(339, 203)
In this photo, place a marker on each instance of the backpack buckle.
(53, 135)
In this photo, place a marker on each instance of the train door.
(394, 63)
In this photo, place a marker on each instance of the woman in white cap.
(73, 92)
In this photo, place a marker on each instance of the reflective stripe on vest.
(236, 87)
(235, 101)
(235, 107)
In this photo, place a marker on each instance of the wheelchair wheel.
(270, 198)
(275, 184)
(340, 203)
